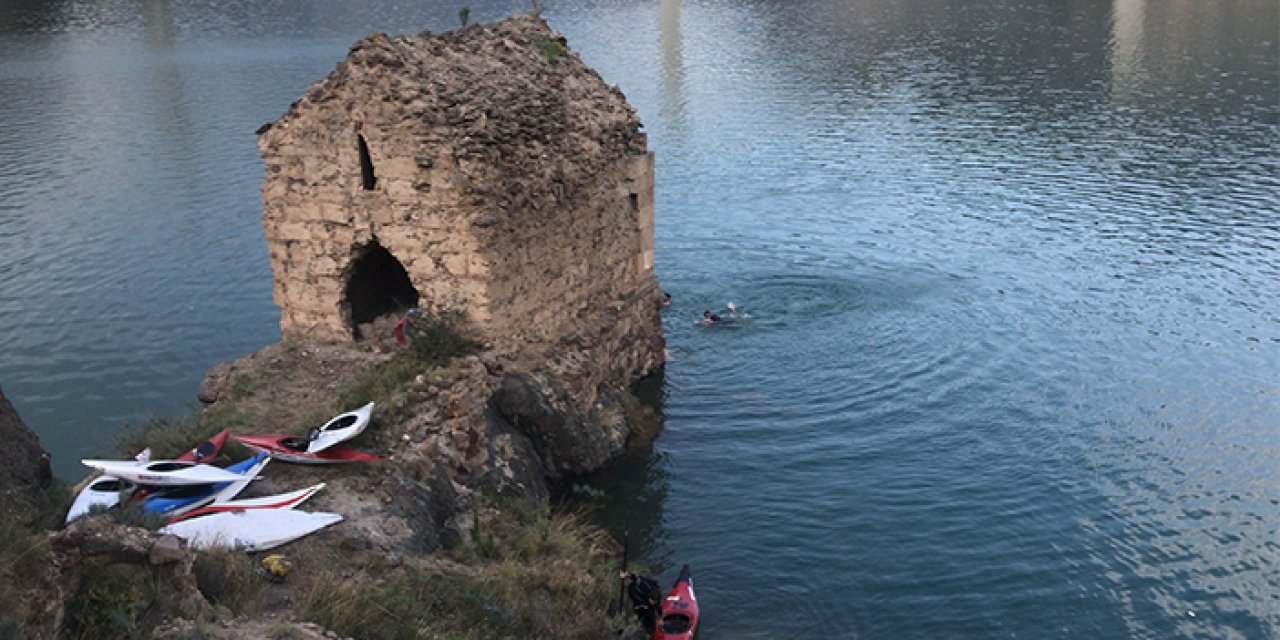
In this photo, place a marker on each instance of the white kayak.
(105, 492)
(250, 529)
(341, 428)
(233, 489)
(163, 473)
(279, 501)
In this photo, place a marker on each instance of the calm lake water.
(1012, 270)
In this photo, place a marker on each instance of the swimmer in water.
(713, 318)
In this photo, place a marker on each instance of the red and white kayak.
(208, 450)
(679, 617)
(294, 449)
(279, 501)
(340, 428)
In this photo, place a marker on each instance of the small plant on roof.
(551, 49)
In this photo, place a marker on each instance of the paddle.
(622, 589)
(622, 584)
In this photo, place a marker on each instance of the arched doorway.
(377, 286)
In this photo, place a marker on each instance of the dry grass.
(229, 577)
(22, 550)
(544, 576)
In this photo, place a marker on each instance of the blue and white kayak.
(176, 501)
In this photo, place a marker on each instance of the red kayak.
(207, 451)
(679, 619)
(202, 453)
(294, 449)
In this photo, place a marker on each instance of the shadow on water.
(627, 497)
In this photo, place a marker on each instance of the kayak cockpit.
(676, 623)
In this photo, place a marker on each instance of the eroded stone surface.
(504, 176)
(24, 467)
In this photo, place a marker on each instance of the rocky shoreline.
(476, 446)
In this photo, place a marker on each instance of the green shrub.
(382, 382)
(441, 335)
(167, 438)
(132, 513)
(111, 602)
(551, 49)
(229, 577)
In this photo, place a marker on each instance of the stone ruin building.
(485, 169)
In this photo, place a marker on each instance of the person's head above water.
(666, 299)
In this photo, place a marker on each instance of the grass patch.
(167, 438)
(437, 337)
(132, 513)
(530, 575)
(22, 554)
(441, 335)
(229, 577)
(382, 382)
(112, 602)
(21, 550)
(303, 385)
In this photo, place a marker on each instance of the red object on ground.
(201, 454)
(285, 503)
(679, 618)
(207, 451)
(398, 332)
(294, 449)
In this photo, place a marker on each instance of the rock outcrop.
(97, 568)
(25, 474)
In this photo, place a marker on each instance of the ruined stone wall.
(506, 177)
(318, 217)
(571, 263)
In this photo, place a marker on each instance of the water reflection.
(671, 42)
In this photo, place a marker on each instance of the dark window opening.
(367, 178)
(634, 201)
(378, 286)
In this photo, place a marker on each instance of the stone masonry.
(485, 169)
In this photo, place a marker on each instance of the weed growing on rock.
(167, 438)
(228, 577)
(111, 602)
(441, 335)
(551, 49)
(131, 513)
(21, 552)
